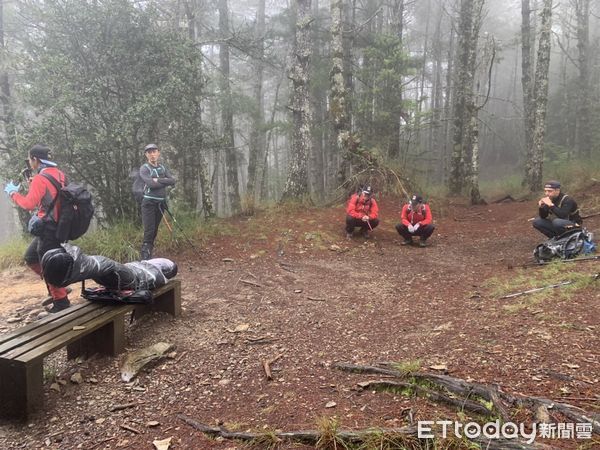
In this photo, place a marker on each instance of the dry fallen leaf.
(330, 404)
(241, 327)
(439, 367)
(571, 366)
(162, 444)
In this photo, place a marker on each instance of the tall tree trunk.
(257, 133)
(435, 137)
(540, 93)
(472, 148)
(526, 84)
(421, 92)
(465, 154)
(297, 180)
(231, 158)
(318, 164)
(197, 188)
(463, 88)
(583, 128)
(397, 28)
(348, 23)
(337, 98)
(448, 102)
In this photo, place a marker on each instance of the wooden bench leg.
(21, 388)
(107, 340)
(170, 301)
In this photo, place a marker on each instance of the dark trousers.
(151, 217)
(423, 232)
(554, 227)
(33, 257)
(352, 223)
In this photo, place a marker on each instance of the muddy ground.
(290, 285)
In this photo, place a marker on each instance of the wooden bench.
(84, 329)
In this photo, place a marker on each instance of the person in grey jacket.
(156, 178)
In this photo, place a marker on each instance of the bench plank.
(65, 334)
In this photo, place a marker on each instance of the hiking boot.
(49, 300)
(146, 252)
(59, 305)
(422, 243)
(406, 242)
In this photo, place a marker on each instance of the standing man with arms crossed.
(156, 178)
(42, 196)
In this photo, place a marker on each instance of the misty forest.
(258, 101)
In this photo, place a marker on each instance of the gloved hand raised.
(11, 188)
(416, 227)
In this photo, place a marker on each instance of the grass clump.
(407, 367)
(11, 253)
(550, 274)
(328, 428)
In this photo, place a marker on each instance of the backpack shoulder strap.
(56, 184)
(562, 200)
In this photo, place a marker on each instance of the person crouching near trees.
(416, 221)
(362, 211)
(156, 178)
(558, 212)
(42, 196)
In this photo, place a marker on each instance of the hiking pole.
(189, 241)
(369, 223)
(168, 225)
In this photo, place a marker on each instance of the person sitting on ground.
(558, 212)
(42, 199)
(362, 211)
(416, 221)
(68, 264)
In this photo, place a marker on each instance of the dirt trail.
(314, 304)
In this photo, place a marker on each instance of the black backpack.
(76, 209)
(116, 297)
(138, 186)
(566, 246)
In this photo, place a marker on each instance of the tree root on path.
(330, 438)
(500, 402)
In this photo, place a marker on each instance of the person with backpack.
(416, 220)
(558, 212)
(362, 211)
(156, 178)
(41, 198)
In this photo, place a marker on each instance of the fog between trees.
(255, 101)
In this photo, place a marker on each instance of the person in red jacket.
(416, 221)
(362, 211)
(42, 225)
